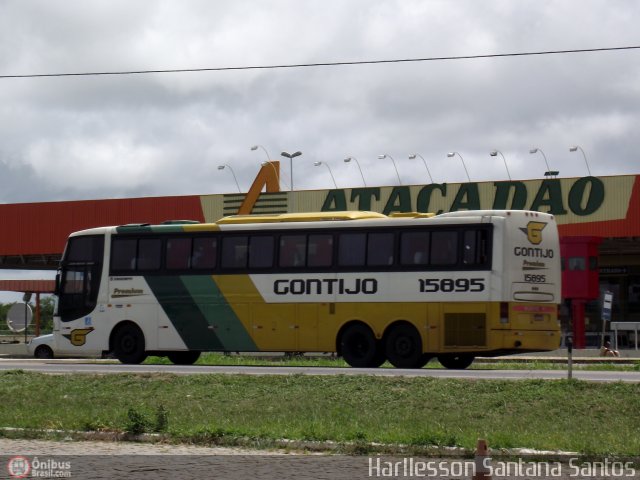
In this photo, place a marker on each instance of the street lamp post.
(386, 155)
(317, 164)
(222, 167)
(413, 157)
(575, 148)
(494, 153)
(348, 159)
(549, 172)
(255, 147)
(291, 156)
(453, 154)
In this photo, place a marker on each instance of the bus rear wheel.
(128, 344)
(359, 347)
(184, 358)
(403, 347)
(456, 362)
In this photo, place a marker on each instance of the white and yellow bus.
(403, 288)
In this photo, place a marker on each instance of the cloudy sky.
(165, 134)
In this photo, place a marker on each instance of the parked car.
(41, 347)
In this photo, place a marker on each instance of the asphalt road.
(97, 367)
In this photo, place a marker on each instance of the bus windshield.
(80, 272)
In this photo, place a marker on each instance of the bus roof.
(300, 217)
(319, 218)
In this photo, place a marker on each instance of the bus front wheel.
(184, 358)
(360, 348)
(456, 362)
(128, 344)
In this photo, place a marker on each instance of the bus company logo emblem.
(78, 337)
(534, 232)
(18, 467)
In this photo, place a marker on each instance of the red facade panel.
(42, 228)
(33, 286)
(580, 267)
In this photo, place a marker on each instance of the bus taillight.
(504, 312)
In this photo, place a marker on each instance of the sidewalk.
(587, 355)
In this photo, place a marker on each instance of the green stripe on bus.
(219, 314)
(185, 315)
(200, 314)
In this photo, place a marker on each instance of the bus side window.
(123, 254)
(320, 251)
(292, 251)
(351, 249)
(414, 248)
(178, 256)
(474, 247)
(235, 252)
(149, 254)
(380, 249)
(261, 252)
(444, 247)
(204, 253)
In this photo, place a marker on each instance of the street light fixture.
(255, 147)
(291, 156)
(348, 159)
(413, 157)
(575, 148)
(385, 155)
(317, 164)
(453, 154)
(549, 172)
(222, 167)
(494, 153)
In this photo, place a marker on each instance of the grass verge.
(590, 418)
(338, 362)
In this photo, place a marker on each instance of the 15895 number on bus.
(451, 285)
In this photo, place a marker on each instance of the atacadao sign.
(577, 199)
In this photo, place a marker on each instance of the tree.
(47, 307)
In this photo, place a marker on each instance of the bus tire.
(359, 347)
(128, 344)
(403, 347)
(188, 357)
(456, 361)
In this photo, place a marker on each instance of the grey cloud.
(165, 134)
